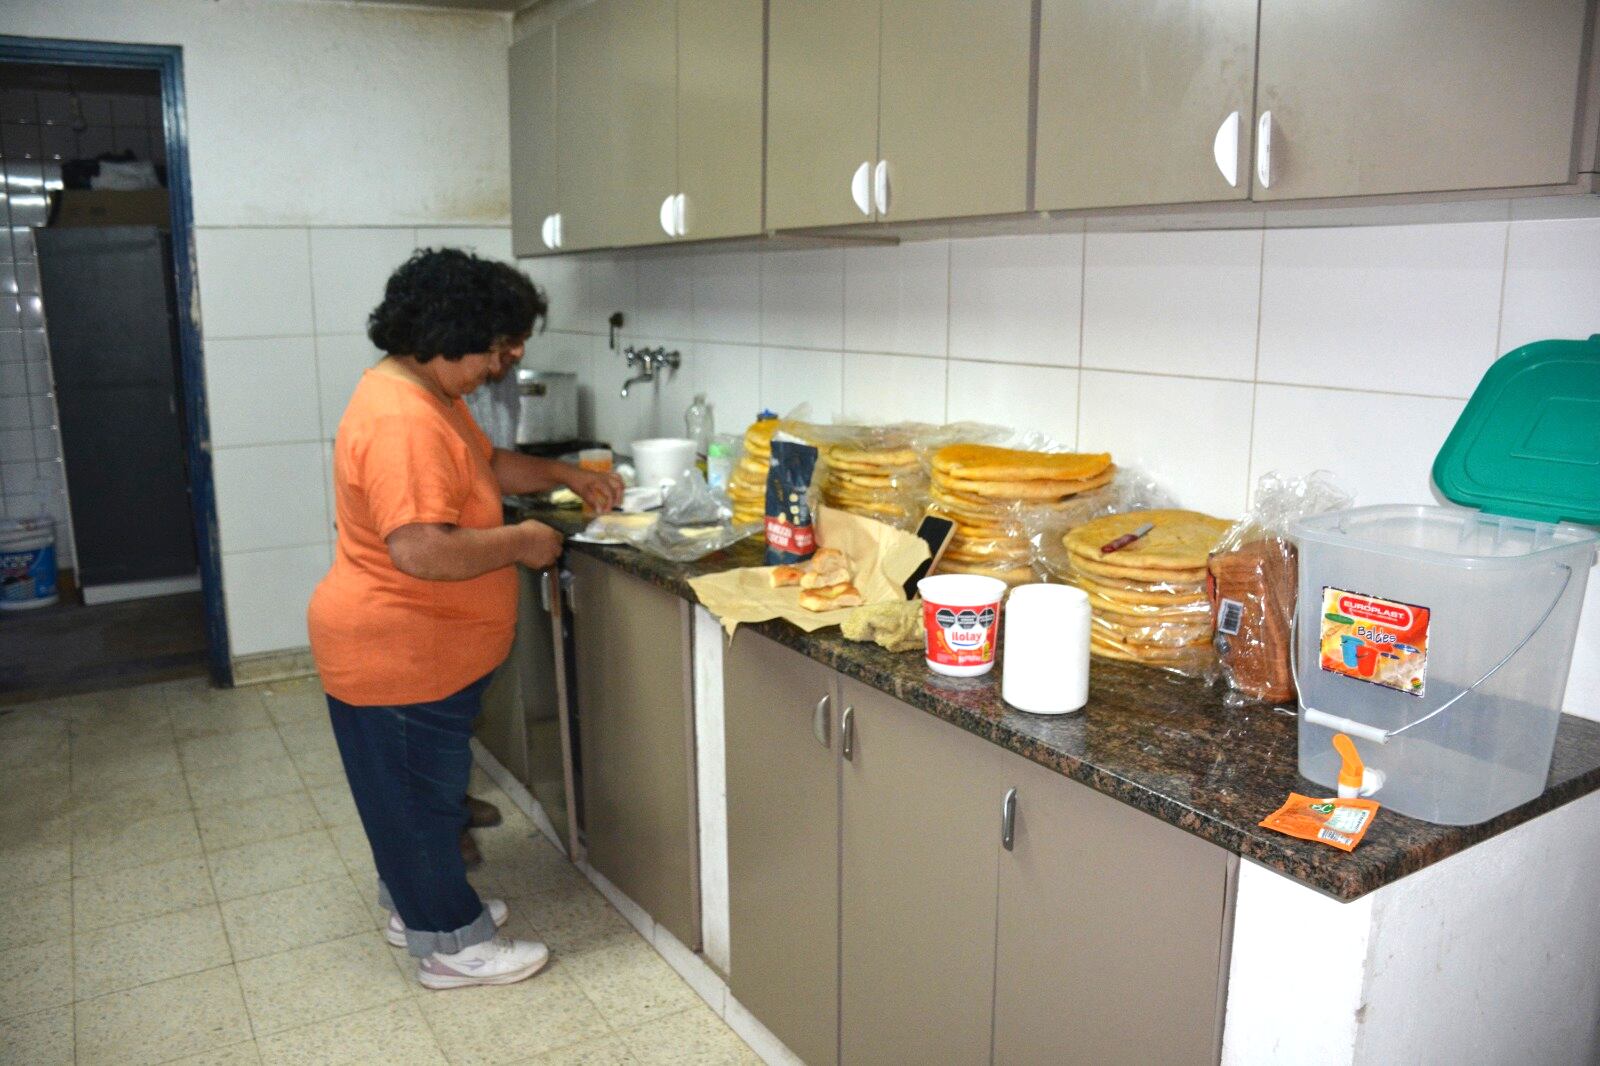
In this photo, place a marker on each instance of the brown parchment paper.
(881, 556)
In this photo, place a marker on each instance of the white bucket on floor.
(27, 563)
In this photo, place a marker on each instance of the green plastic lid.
(1528, 443)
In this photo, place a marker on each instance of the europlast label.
(1371, 639)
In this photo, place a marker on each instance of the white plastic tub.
(27, 563)
(1495, 602)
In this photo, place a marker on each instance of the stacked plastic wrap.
(876, 472)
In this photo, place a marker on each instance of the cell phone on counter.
(935, 533)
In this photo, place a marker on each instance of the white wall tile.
(1379, 448)
(790, 377)
(270, 496)
(730, 376)
(666, 302)
(571, 352)
(1191, 435)
(1552, 282)
(1390, 308)
(1172, 303)
(583, 292)
(727, 297)
(254, 282)
(266, 594)
(490, 242)
(262, 390)
(614, 418)
(341, 360)
(802, 299)
(348, 270)
(1016, 299)
(893, 388)
(897, 298)
(674, 390)
(1039, 399)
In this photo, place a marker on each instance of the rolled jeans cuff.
(421, 943)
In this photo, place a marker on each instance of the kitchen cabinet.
(920, 829)
(1113, 936)
(631, 646)
(783, 843)
(1144, 102)
(897, 109)
(616, 145)
(720, 98)
(1357, 98)
(532, 75)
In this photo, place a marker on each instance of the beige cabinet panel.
(532, 65)
(719, 116)
(1111, 932)
(616, 141)
(921, 832)
(631, 646)
(822, 108)
(953, 107)
(783, 845)
(1133, 97)
(1414, 95)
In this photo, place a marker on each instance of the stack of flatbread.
(1148, 598)
(882, 480)
(747, 487)
(980, 487)
(825, 580)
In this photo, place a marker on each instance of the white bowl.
(660, 461)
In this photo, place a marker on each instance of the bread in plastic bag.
(1251, 585)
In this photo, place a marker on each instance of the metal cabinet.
(1358, 98)
(917, 917)
(1113, 932)
(783, 843)
(534, 199)
(1144, 102)
(631, 646)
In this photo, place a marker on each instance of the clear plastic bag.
(1251, 582)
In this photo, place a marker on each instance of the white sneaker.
(395, 931)
(497, 961)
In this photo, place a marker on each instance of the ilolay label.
(1383, 642)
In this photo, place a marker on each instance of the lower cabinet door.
(921, 832)
(783, 844)
(1112, 932)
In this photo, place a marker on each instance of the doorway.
(103, 431)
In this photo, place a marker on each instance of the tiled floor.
(182, 880)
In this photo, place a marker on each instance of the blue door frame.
(168, 61)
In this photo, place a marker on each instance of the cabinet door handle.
(859, 190)
(1225, 149)
(880, 186)
(547, 232)
(819, 721)
(668, 216)
(559, 237)
(544, 590)
(679, 213)
(847, 733)
(1008, 819)
(1264, 150)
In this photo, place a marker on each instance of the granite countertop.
(1164, 744)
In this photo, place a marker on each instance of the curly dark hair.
(449, 303)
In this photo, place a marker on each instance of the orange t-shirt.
(380, 636)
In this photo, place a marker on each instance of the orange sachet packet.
(1340, 823)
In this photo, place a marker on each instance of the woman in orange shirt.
(421, 602)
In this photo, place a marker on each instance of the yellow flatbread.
(1034, 489)
(984, 462)
(1180, 540)
(1153, 575)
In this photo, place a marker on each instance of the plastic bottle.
(697, 419)
(721, 455)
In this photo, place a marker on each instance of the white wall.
(1206, 358)
(326, 141)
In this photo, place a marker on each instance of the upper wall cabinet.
(1144, 102)
(1361, 97)
(533, 144)
(896, 110)
(719, 119)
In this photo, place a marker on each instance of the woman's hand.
(541, 545)
(600, 490)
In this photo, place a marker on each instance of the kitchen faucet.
(648, 360)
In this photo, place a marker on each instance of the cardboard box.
(113, 207)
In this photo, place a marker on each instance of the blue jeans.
(408, 767)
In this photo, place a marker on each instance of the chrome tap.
(648, 360)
